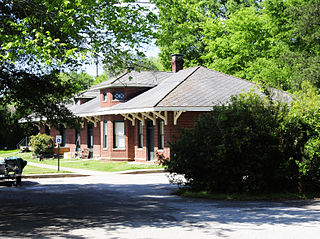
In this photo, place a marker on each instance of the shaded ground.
(141, 206)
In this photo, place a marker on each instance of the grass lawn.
(82, 164)
(38, 170)
(28, 169)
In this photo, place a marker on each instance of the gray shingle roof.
(153, 96)
(88, 107)
(205, 88)
(197, 88)
(135, 79)
(88, 94)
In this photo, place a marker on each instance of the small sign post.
(58, 141)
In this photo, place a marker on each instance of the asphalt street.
(113, 205)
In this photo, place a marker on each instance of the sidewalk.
(76, 172)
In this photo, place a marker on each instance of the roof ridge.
(120, 76)
(196, 68)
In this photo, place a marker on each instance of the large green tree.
(181, 26)
(272, 41)
(42, 38)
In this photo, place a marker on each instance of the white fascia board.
(151, 109)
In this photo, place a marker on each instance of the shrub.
(305, 114)
(238, 147)
(42, 144)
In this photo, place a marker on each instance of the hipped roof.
(193, 89)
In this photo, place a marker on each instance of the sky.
(150, 50)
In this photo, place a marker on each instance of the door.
(90, 139)
(77, 140)
(150, 141)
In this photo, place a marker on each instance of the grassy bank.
(246, 197)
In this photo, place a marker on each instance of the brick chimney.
(177, 62)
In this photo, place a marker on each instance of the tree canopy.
(270, 41)
(41, 38)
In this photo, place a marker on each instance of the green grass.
(96, 165)
(38, 170)
(15, 152)
(246, 197)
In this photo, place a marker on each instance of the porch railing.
(23, 142)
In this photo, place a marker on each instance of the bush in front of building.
(42, 144)
(240, 147)
(304, 116)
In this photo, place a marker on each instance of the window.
(104, 97)
(119, 137)
(160, 134)
(47, 130)
(118, 96)
(77, 139)
(105, 134)
(140, 135)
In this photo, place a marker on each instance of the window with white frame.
(118, 135)
(104, 97)
(105, 134)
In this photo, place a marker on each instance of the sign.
(58, 139)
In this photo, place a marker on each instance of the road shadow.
(45, 211)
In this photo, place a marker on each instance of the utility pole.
(97, 65)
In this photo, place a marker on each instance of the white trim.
(164, 118)
(127, 116)
(151, 109)
(176, 115)
(136, 116)
(135, 110)
(146, 115)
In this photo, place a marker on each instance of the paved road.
(112, 205)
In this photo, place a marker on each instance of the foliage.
(270, 41)
(305, 116)
(11, 131)
(253, 145)
(181, 26)
(138, 64)
(80, 81)
(42, 144)
(41, 38)
(236, 148)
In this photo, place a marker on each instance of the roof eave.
(149, 109)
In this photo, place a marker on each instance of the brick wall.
(128, 94)
(131, 152)
(113, 153)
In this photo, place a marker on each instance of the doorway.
(90, 139)
(150, 141)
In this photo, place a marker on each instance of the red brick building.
(136, 114)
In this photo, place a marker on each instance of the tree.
(41, 38)
(181, 23)
(272, 41)
(11, 131)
